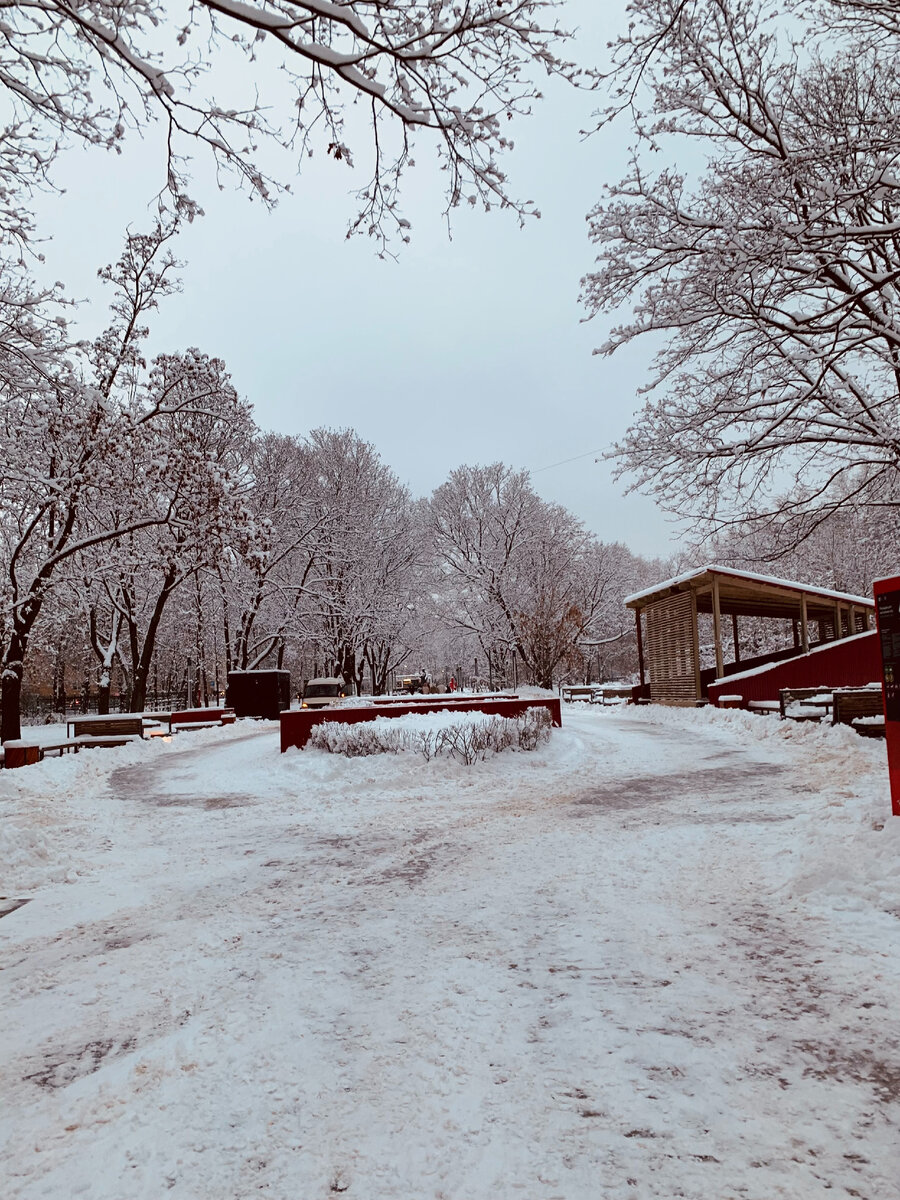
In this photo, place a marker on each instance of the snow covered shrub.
(534, 728)
(356, 741)
(467, 741)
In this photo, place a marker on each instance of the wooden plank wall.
(670, 649)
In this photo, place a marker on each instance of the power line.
(562, 462)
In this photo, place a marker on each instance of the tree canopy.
(765, 255)
(235, 77)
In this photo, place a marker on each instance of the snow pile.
(24, 853)
(845, 844)
(465, 737)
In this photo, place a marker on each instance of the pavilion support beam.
(804, 626)
(695, 637)
(640, 645)
(735, 639)
(717, 629)
(838, 631)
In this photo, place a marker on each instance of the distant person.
(452, 684)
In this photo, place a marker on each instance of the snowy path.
(647, 962)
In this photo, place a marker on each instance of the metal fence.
(45, 710)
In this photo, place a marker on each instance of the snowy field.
(657, 958)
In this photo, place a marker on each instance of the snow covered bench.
(792, 700)
(107, 729)
(870, 726)
(612, 695)
(852, 706)
(200, 718)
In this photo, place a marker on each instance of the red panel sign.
(887, 610)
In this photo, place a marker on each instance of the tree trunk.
(141, 666)
(379, 661)
(346, 666)
(103, 697)
(11, 697)
(59, 684)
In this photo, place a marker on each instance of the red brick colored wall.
(850, 662)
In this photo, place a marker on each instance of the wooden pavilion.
(668, 633)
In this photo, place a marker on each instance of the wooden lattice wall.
(671, 649)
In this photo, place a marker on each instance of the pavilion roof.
(746, 594)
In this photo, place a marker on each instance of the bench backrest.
(201, 715)
(850, 705)
(115, 725)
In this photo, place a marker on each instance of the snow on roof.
(772, 580)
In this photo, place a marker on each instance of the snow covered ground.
(659, 957)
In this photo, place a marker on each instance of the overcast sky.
(469, 348)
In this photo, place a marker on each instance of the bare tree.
(262, 591)
(111, 472)
(364, 552)
(770, 268)
(199, 448)
(67, 438)
(522, 575)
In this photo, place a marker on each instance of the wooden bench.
(60, 748)
(571, 694)
(870, 727)
(611, 695)
(790, 697)
(102, 731)
(852, 705)
(199, 718)
(129, 725)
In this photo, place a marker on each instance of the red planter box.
(296, 725)
(20, 756)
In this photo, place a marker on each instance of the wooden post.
(695, 637)
(796, 632)
(838, 631)
(717, 629)
(734, 638)
(640, 645)
(851, 620)
(804, 625)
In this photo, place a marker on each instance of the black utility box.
(259, 693)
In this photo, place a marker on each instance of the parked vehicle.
(418, 683)
(324, 692)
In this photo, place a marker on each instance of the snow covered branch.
(91, 71)
(771, 272)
